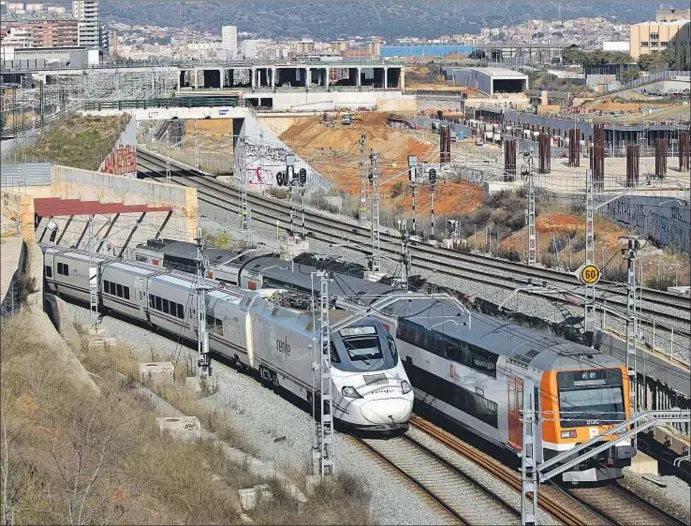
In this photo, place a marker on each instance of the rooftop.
(36, 16)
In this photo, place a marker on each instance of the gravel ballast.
(277, 429)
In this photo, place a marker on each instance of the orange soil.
(307, 136)
(450, 198)
(210, 127)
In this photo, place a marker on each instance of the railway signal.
(432, 175)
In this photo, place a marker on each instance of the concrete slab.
(103, 344)
(370, 275)
(292, 248)
(157, 371)
(10, 251)
(643, 465)
(249, 497)
(181, 427)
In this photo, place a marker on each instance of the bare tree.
(95, 440)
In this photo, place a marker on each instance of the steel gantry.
(376, 245)
(203, 358)
(363, 178)
(589, 303)
(535, 471)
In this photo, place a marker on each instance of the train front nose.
(389, 411)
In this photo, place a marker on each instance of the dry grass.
(81, 142)
(73, 458)
(343, 500)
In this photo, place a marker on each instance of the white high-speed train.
(370, 388)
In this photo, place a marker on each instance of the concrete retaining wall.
(657, 367)
(664, 220)
(267, 156)
(333, 100)
(110, 231)
(19, 209)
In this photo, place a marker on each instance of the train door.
(139, 293)
(514, 412)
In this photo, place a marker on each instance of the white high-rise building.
(229, 40)
(86, 13)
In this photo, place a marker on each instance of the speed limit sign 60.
(589, 274)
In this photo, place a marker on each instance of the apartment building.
(89, 30)
(657, 37)
(38, 28)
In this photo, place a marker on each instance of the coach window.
(106, 286)
(151, 301)
(181, 312)
(118, 289)
(165, 306)
(158, 303)
(49, 271)
(126, 290)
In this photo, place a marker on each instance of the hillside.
(331, 19)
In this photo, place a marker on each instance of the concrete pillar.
(327, 73)
(253, 78)
(273, 78)
(221, 79)
(359, 77)
(308, 78)
(401, 79)
(386, 77)
(179, 82)
(196, 78)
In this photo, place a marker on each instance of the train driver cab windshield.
(360, 349)
(589, 398)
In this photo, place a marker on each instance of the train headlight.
(406, 387)
(350, 392)
(568, 434)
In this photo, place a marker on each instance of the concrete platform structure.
(180, 427)
(489, 80)
(643, 465)
(375, 74)
(157, 371)
(115, 228)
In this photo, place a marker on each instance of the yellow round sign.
(590, 274)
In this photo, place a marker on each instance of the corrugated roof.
(54, 206)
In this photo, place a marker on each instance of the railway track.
(608, 504)
(463, 498)
(620, 506)
(659, 307)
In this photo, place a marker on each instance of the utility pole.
(93, 277)
(529, 456)
(589, 303)
(203, 360)
(406, 259)
(240, 165)
(529, 173)
(630, 246)
(196, 144)
(323, 460)
(363, 177)
(374, 178)
(412, 177)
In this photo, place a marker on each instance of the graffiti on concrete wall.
(121, 160)
(665, 221)
(266, 152)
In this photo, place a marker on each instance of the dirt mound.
(334, 151)
(450, 198)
